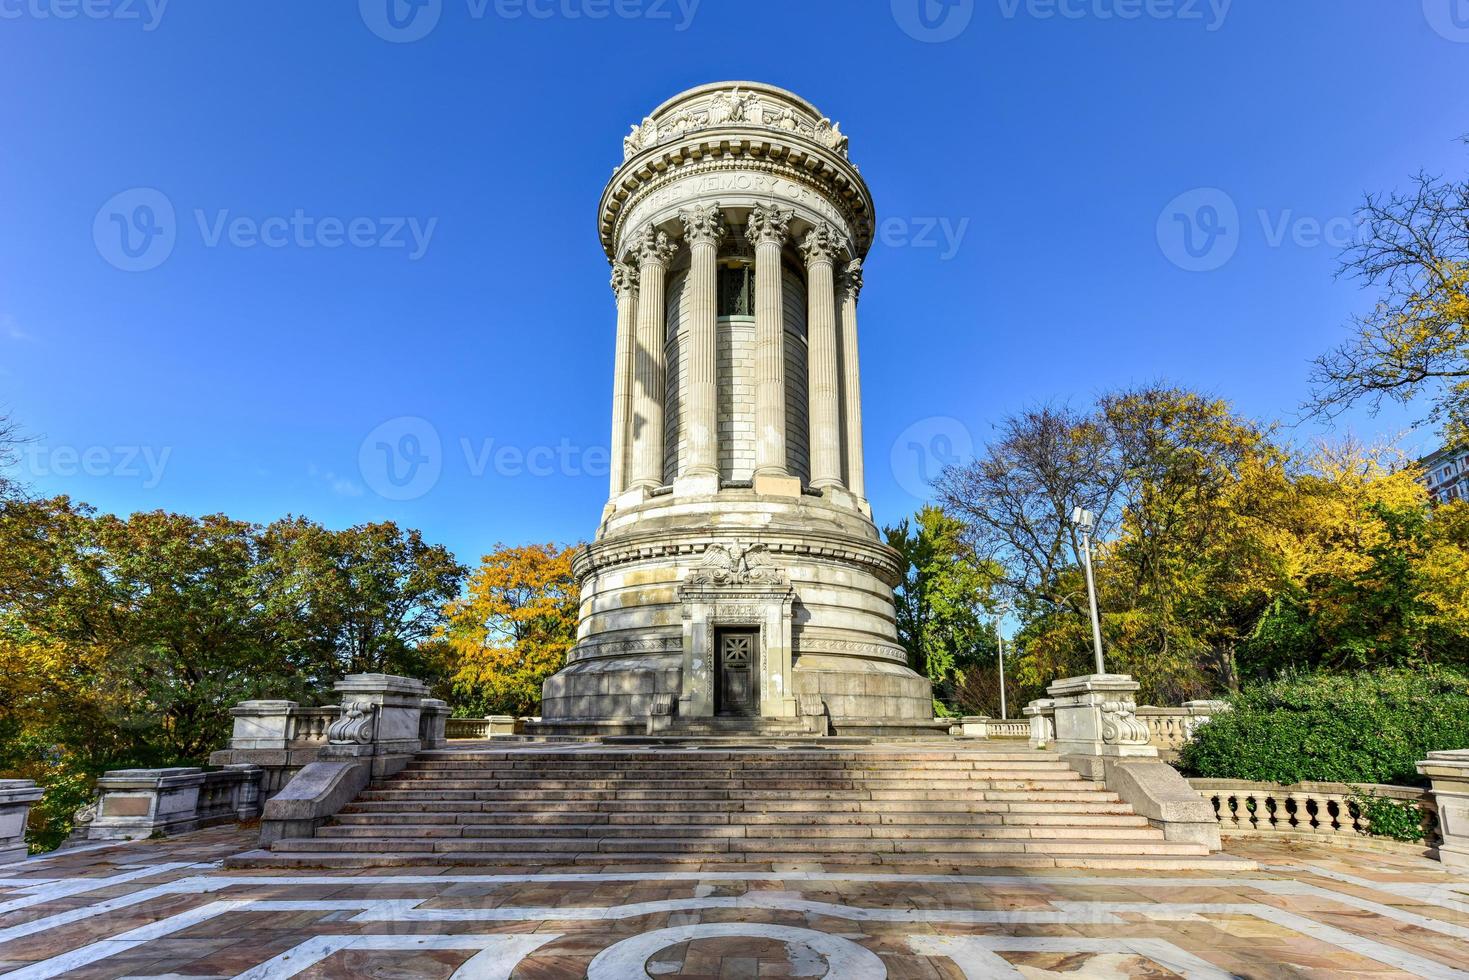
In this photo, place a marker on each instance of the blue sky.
(1037, 163)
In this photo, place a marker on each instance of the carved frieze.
(734, 108)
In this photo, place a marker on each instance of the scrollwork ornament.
(355, 725)
(1120, 725)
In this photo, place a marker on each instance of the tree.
(942, 600)
(364, 599)
(1015, 501)
(9, 443)
(514, 627)
(1415, 252)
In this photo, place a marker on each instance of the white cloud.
(339, 485)
(10, 328)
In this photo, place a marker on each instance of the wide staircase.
(594, 805)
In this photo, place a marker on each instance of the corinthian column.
(821, 248)
(851, 289)
(703, 230)
(625, 286)
(654, 250)
(768, 229)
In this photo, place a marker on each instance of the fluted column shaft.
(703, 230)
(654, 250)
(768, 230)
(851, 289)
(823, 391)
(625, 285)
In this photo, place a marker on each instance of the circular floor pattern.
(688, 950)
(737, 956)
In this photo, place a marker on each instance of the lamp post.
(1000, 645)
(1086, 522)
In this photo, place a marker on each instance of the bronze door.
(738, 673)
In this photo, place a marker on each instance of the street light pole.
(1086, 521)
(1000, 643)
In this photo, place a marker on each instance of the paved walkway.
(167, 909)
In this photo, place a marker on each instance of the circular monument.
(737, 582)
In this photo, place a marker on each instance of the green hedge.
(1353, 728)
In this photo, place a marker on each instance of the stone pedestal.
(1095, 716)
(433, 718)
(16, 797)
(380, 720)
(262, 724)
(1449, 772)
(138, 803)
(1042, 715)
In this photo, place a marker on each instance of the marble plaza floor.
(168, 909)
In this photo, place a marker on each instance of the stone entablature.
(730, 105)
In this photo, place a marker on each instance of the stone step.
(642, 809)
(1083, 792)
(574, 770)
(740, 818)
(774, 835)
(718, 846)
(667, 785)
(932, 862)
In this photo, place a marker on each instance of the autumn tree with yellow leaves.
(1415, 341)
(512, 629)
(1226, 555)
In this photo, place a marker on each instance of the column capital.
(654, 246)
(823, 243)
(624, 276)
(703, 224)
(850, 279)
(769, 224)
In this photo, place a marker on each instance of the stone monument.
(737, 581)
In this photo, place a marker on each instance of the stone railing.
(1308, 811)
(479, 729)
(307, 726)
(1169, 729)
(972, 726)
(16, 798)
(135, 803)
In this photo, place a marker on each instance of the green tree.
(943, 599)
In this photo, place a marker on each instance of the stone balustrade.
(1308, 811)
(980, 726)
(1168, 729)
(16, 798)
(479, 729)
(136, 803)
